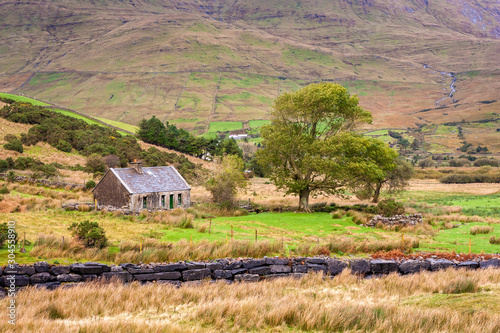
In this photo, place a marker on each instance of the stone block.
(264, 270)
(86, 269)
(15, 280)
(170, 267)
(383, 266)
(316, 261)
(335, 267)
(300, 269)
(222, 274)
(277, 261)
(213, 266)
(414, 266)
(195, 274)
(315, 268)
(438, 264)
(247, 278)
(493, 263)
(468, 265)
(41, 267)
(69, 278)
(360, 266)
(233, 265)
(41, 278)
(58, 270)
(145, 277)
(134, 271)
(90, 277)
(195, 265)
(168, 275)
(49, 285)
(276, 269)
(254, 263)
(121, 276)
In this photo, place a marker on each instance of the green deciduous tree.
(226, 179)
(387, 172)
(310, 146)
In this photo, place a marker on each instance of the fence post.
(255, 234)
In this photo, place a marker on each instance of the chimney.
(137, 166)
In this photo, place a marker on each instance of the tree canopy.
(311, 146)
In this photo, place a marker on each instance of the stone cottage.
(139, 188)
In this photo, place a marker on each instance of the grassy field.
(127, 127)
(444, 301)
(224, 126)
(18, 98)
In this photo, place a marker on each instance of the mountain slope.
(199, 62)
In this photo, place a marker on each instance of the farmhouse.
(139, 188)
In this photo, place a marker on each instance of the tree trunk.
(304, 200)
(376, 194)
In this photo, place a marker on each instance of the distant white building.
(238, 136)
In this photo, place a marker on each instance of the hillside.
(208, 65)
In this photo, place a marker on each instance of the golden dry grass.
(445, 301)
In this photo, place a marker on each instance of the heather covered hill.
(200, 63)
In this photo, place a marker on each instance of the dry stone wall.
(406, 220)
(43, 275)
(42, 182)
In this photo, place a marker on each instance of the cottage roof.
(153, 179)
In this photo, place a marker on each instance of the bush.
(486, 161)
(90, 184)
(90, 233)
(427, 163)
(64, 146)
(3, 165)
(95, 164)
(459, 162)
(15, 145)
(390, 207)
(4, 190)
(4, 233)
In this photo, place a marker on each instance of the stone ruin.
(404, 220)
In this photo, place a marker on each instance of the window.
(163, 201)
(144, 202)
(179, 200)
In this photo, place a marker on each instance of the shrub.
(390, 207)
(15, 145)
(90, 233)
(486, 161)
(95, 164)
(4, 233)
(3, 165)
(4, 190)
(64, 146)
(480, 230)
(494, 240)
(460, 162)
(427, 163)
(90, 184)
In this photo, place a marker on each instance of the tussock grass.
(50, 246)
(343, 303)
(350, 245)
(494, 240)
(480, 230)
